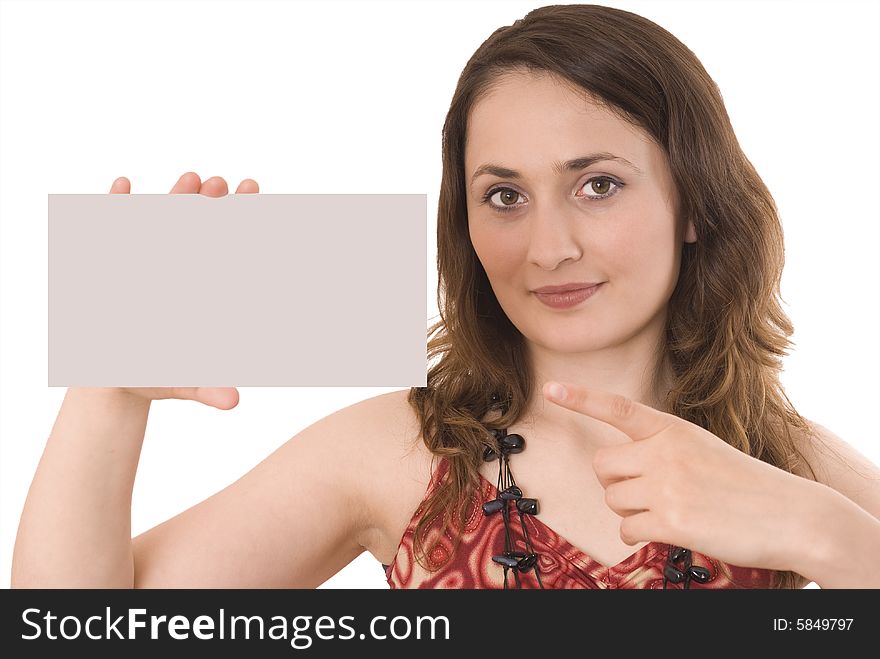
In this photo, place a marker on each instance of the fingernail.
(556, 391)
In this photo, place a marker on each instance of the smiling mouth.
(568, 299)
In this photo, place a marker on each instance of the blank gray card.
(243, 290)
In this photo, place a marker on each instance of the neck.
(637, 369)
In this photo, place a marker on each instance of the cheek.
(496, 250)
(644, 259)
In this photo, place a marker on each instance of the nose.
(552, 236)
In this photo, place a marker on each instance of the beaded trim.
(509, 492)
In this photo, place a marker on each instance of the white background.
(350, 97)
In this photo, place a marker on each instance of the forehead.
(529, 120)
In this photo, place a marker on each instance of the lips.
(568, 299)
(565, 288)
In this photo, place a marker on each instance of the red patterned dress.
(561, 565)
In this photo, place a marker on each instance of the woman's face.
(546, 224)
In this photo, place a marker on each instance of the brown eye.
(602, 186)
(502, 200)
(507, 197)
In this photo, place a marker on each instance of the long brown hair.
(726, 331)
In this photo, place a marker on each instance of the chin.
(563, 339)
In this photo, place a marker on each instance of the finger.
(214, 187)
(189, 183)
(248, 186)
(643, 527)
(222, 397)
(636, 420)
(615, 463)
(121, 186)
(628, 497)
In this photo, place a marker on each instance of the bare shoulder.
(397, 471)
(841, 467)
(396, 434)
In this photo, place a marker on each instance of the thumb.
(223, 398)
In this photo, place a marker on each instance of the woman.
(585, 148)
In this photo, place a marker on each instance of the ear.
(690, 233)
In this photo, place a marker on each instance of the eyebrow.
(559, 167)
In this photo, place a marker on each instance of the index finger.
(189, 183)
(636, 420)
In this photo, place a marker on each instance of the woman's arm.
(75, 529)
(292, 521)
(840, 545)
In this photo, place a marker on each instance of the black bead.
(512, 444)
(674, 575)
(527, 562)
(493, 506)
(507, 561)
(527, 506)
(699, 573)
(490, 454)
(678, 553)
(512, 492)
